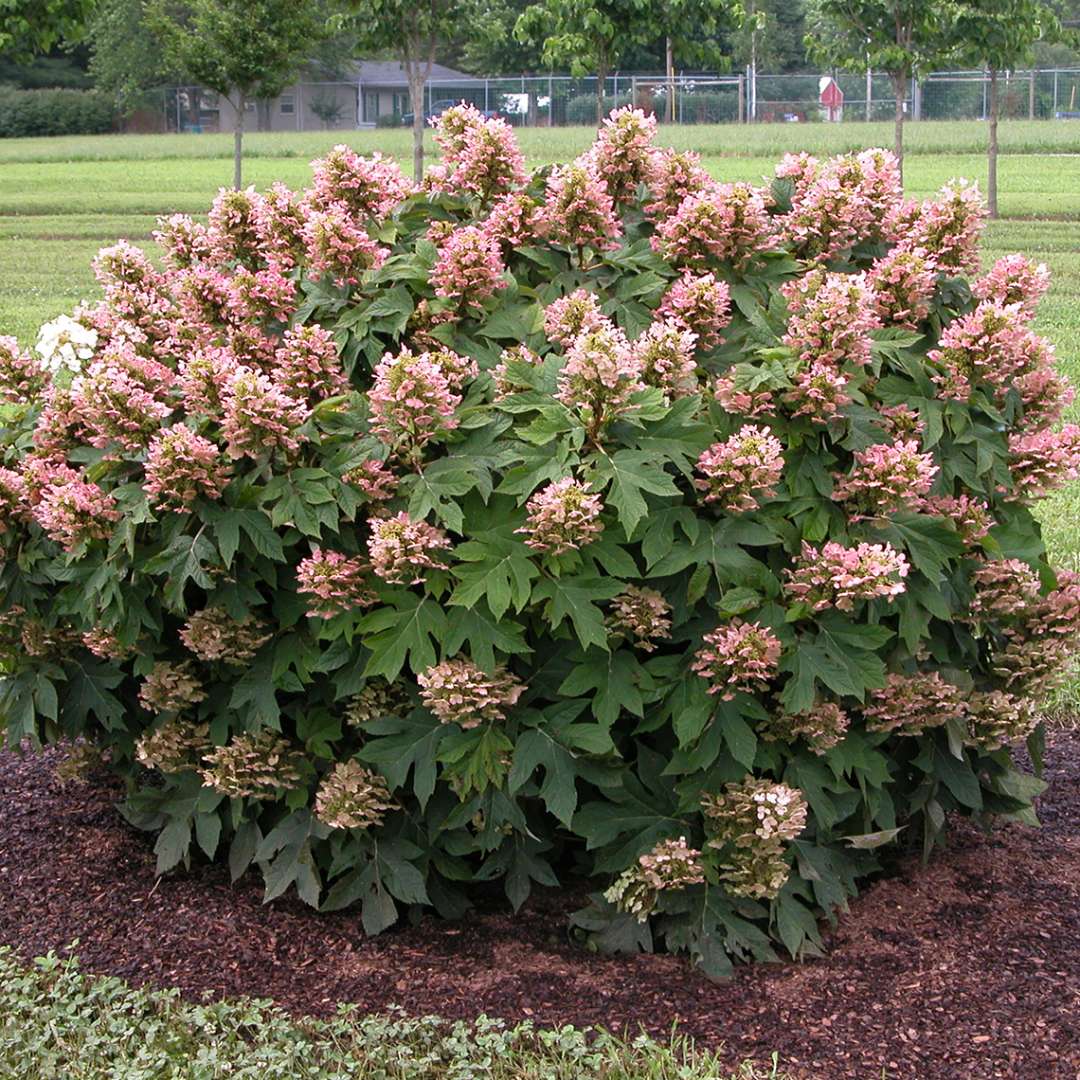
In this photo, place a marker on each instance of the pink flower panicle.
(366, 187)
(279, 223)
(258, 417)
(232, 231)
(819, 392)
(459, 692)
(700, 303)
(21, 379)
(412, 400)
(740, 656)
(339, 248)
(909, 704)
(469, 268)
(990, 345)
(948, 228)
(1014, 279)
(670, 866)
(334, 582)
(622, 154)
(121, 400)
(674, 176)
(1043, 461)
(571, 316)
(1005, 589)
(259, 296)
(515, 221)
(74, 511)
(821, 727)
(600, 375)
(641, 615)
(202, 378)
(181, 467)
(374, 478)
(728, 223)
(840, 202)
(971, 517)
(579, 211)
(308, 367)
(480, 156)
(839, 577)
(738, 472)
(184, 241)
(886, 477)
(831, 316)
(401, 548)
(665, 355)
(562, 517)
(903, 283)
(215, 637)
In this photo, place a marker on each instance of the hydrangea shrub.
(608, 522)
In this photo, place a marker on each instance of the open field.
(61, 199)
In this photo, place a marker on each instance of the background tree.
(1000, 35)
(589, 36)
(243, 49)
(903, 38)
(29, 27)
(413, 31)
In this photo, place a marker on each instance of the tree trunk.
(670, 64)
(532, 117)
(238, 140)
(899, 82)
(416, 95)
(601, 85)
(992, 154)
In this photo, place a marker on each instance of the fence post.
(551, 102)
(1031, 96)
(984, 96)
(1054, 113)
(869, 93)
(487, 104)
(742, 99)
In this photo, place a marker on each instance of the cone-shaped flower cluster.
(459, 692)
(669, 866)
(352, 797)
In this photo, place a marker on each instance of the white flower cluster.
(65, 343)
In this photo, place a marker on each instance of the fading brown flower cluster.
(751, 823)
(352, 797)
(174, 746)
(670, 865)
(378, 698)
(642, 615)
(171, 687)
(212, 635)
(458, 691)
(256, 766)
(821, 727)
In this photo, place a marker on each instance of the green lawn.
(61, 199)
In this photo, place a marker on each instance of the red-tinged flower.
(232, 230)
(673, 177)
(412, 400)
(739, 471)
(258, 417)
(1014, 279)
(831, 316)
(367, 187)
(579, 211)
(74, 511)
(728, 223)
(401, 548)
(909, 704)
(700, 303)
(571, 316)
(946, 228)
(480, 156)
(740, 656)
(307, 366)
(839, 577)
(600, 375)
(1043, 461)
(459, 692)
(334, 582)
(21, 378)
(562, 517)
(181, 467)
(469, 267)
(665, 354)
(622, 154)
(886, 477)
(338, 247)
(903, 283)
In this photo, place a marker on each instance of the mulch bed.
(963, 970)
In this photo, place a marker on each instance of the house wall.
(292, 110)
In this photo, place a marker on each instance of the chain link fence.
(560, 100)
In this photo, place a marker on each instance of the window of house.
(371, 105)
(288, 103)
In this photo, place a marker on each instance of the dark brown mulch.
(968, 969)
